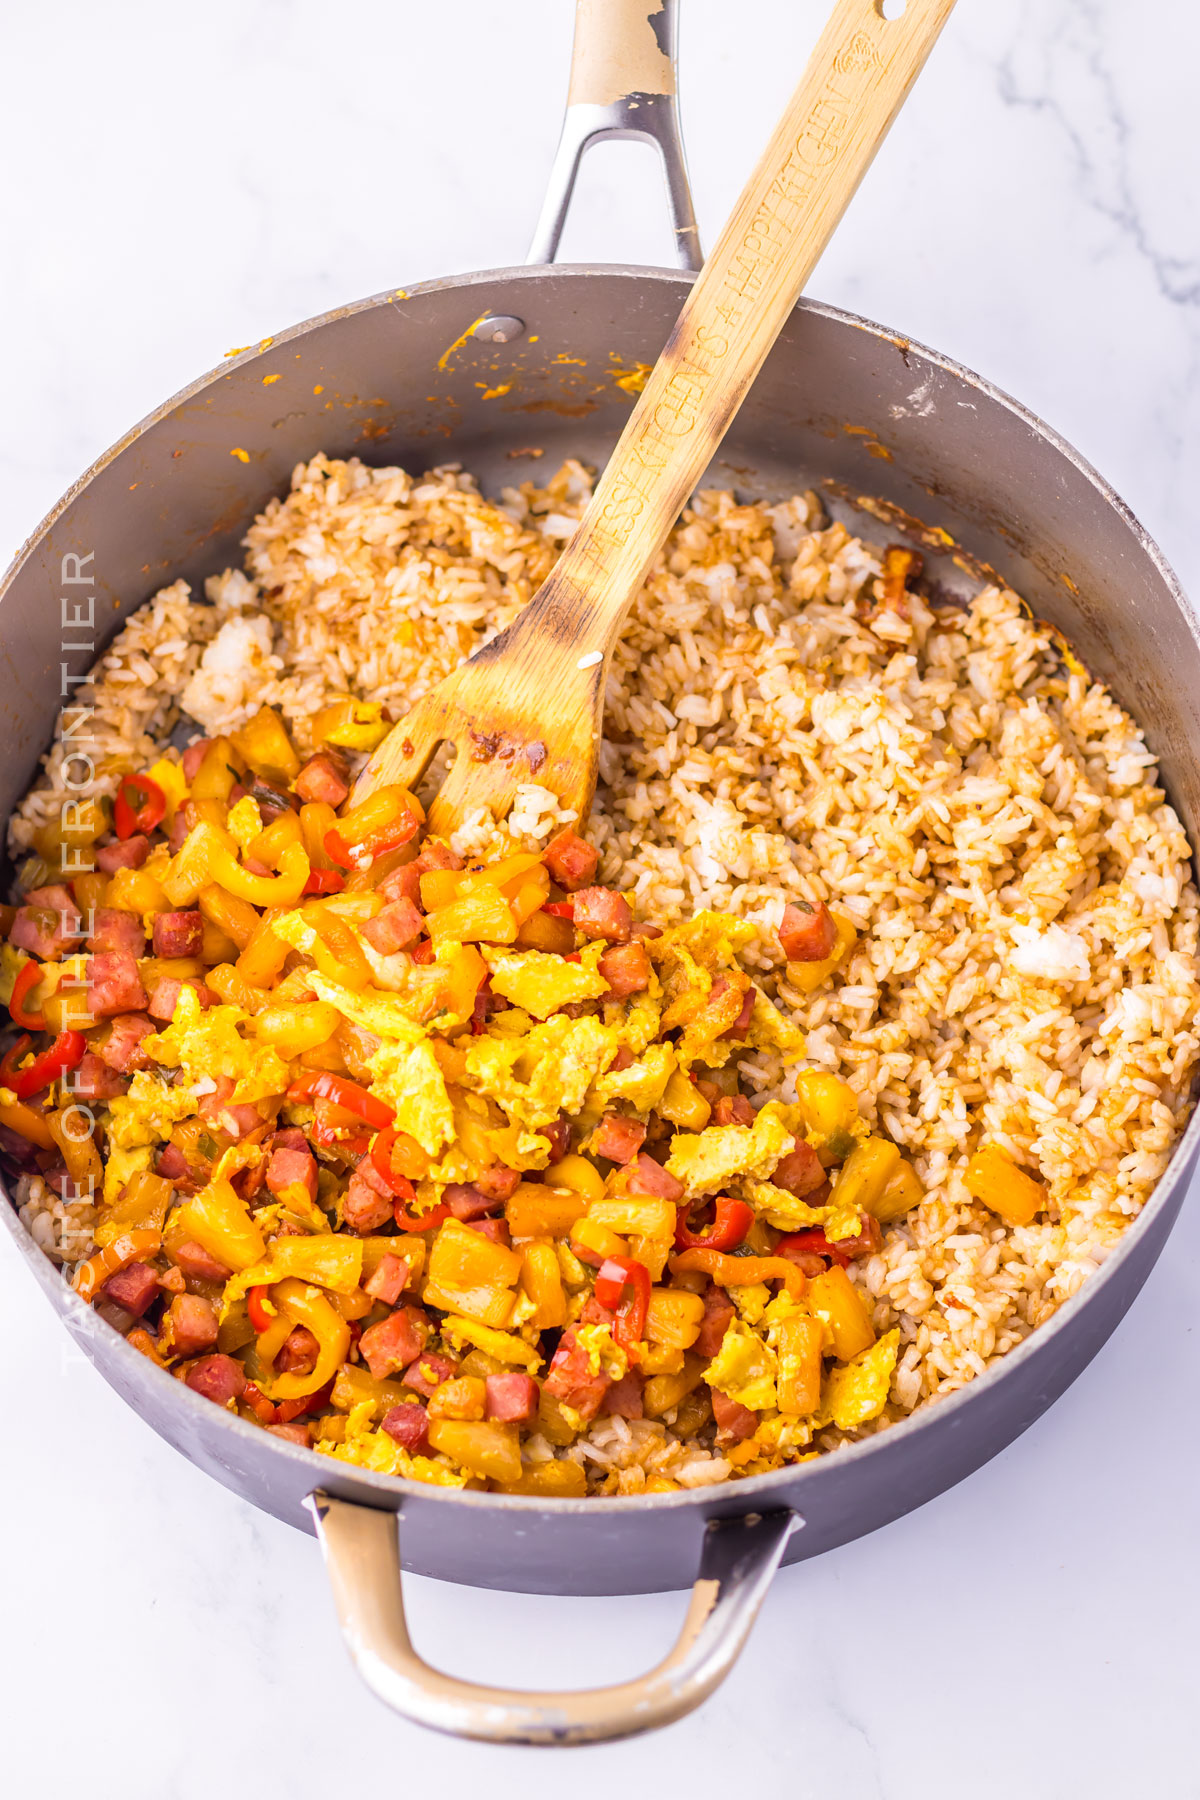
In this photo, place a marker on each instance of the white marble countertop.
(182, 180)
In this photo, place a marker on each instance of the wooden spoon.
(528, 706)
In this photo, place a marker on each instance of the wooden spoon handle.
(860, 72)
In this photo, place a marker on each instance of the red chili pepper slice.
(140, 805)
(264, 1410)
(320, 1084)
(362, 855)
(406, 1221)
(812, 1242)
(287, 1410)
(325, 881)
(260, 1318)
(66, 1052)
(381, 1162)
(358, 1145)
(614, 1275)
(28, 976)
(732, 1220)
(422, 952)
(560, 909)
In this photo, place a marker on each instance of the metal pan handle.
(622, 86)
(361, 1545)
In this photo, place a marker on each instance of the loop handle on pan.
(361, 1545)
(622, 86)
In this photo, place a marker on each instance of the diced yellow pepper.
(558, 1479)
(462, 1397)
(902, 1193)
(588, 1234)
(266, 746)
(316, 818)
(674, 1317)
(866, 1173)
(835, 1300)
(268, 847)
(798, 1379)
(170, 777)
(219, 1220)
(482, 917)
(578, 1176)
(485, 1447)
(264, 956)
(534, 1211)
(541, 1280)
(350, 724)
(531, 894)
(994, 1178)
(683, 1103)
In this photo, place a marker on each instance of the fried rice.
(984, 812)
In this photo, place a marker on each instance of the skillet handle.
(361, 1546)
(622, 86)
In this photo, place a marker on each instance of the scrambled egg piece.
(744, 1368)
(121, 1165)
(147, 1112)
(244, 822)
(857, 1391)
(368, 1448)
(638, 1019)
(548, 1070)
(781, 1209)
(769, 1030)
(708, 1160)
(406, 1076)
(643, 1083)
(540, 983)
(603, 1352)
(751, 1299)
(205, 1044)
(712, 938)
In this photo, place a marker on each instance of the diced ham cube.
(624, 1397)
(388, 1281)
(172, 1164)
(219, 1378)
(324, 776)
(498, 1182)
(191, 1323)
(570, 860)
(292, 1431)
(395, 1342)
(193, 1260)
(626, 968)
(289, 1170)
(178, 933)
(363, 1209)
(649, 1177)
(408, 1423)
(735, 1422)
(114, 985)
(733, 1109)
(718, 1310)
(571, 1379)
(129, 853)
(48, 923)
(193, 756)
(133, 1287)
(298, 1353)
(496, 1230)
(399, 924)
(466, 1202)
(868, 1241)
(290, 1137)
(122, 1048)
(240, 1120)
(115, 929)
(618, 1138)
(511, 1398)
(428, 1371)
(92, 1079)
(601, 912)
(807, 933)
(741, 1024)
(403, 883)
(178, 832)
(800, 1172)
(436, 855)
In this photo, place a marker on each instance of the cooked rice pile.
(985, 812)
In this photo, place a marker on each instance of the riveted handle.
(622, 86)
(362, 1553)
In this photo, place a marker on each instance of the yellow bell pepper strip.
(219, 1220)
(134, 1246)
(140, 805)
(995, 1179)
(308, 1306)
(350, 725)
(77, 1147)
(24, 1121)
(28, 977)
(207, 856)
(739, 1271)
